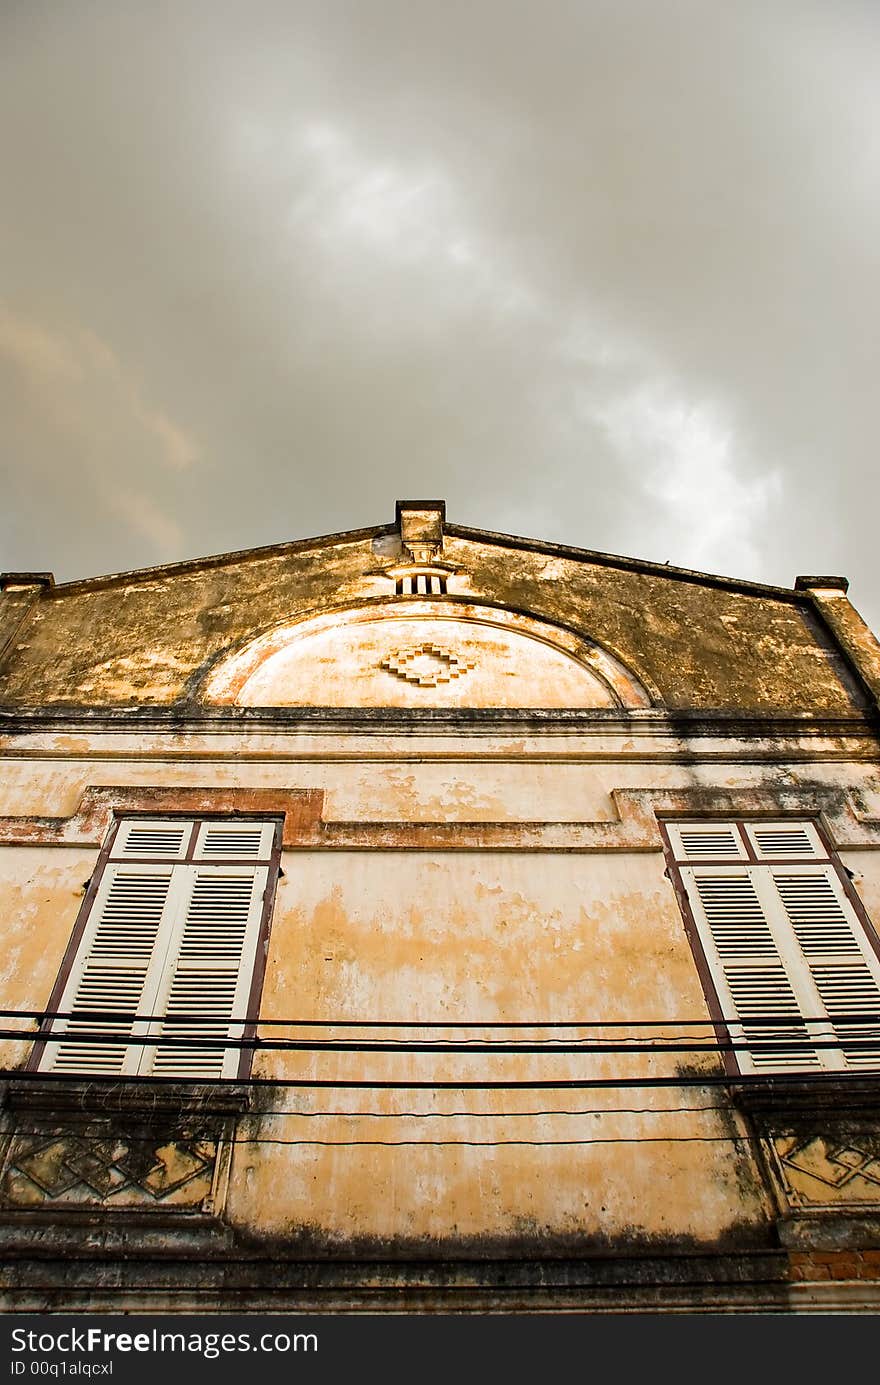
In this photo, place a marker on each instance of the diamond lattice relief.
(103, 1163)
(426, 665)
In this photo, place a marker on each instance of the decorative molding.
(427, 665)
(827, 1171)
(426, 579)
(759, 738)
(93, 818)
(632, 828)
(222, 680)
(117, 1162)
(818, 1143)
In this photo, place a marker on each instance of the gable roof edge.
(214, 560)
(691, 575)
(684, 574)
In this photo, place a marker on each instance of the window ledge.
(830, 1231)
(143, 1097)
(782, 1095)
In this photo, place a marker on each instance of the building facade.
(425, 918)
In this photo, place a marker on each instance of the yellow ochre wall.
(578, 926)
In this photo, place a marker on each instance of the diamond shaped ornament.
(426, 665)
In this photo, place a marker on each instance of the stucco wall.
(567, 935)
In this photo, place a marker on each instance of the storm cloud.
(601, 273)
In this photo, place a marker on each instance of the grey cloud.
(600, 273)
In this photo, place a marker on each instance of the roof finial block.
(421, 527)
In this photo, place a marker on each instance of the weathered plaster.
(144, 637)
(375, 656)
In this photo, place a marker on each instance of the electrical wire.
(245, 1141)
(704, 1023)
(784, 1041)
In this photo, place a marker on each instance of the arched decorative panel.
(426, 654)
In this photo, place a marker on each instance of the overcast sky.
(600, 273)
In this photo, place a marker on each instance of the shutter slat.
(696, 841)
(208, 978)
(155, 840)
(851, 991)
(765, 993)
(843, 968)
(112, 969)
(234, 841)
(744, 956)
(780, 841)
(735, 916)
(820, 924)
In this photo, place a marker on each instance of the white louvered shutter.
(205, 982)
(115, 971)
(750, 975)
(234, 841)
(785, 841)
(701, 841)
(785, 946)
(169, 950)
(152, 840)
(843, 967)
